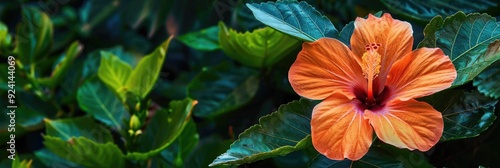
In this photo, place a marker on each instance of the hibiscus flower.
(371, 87)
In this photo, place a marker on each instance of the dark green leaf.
(114, 72)
(465, 39)
(177, 153)
(222, 89)
(34, 36)
(206, 151)
(487, 81)
(50, 159)
(425, 10)
(378, 156)
(93, 12)
(297, 19)
(279, 133)
(144, 76)
(260, 48)
(465, 114)
(62, 67)
(86, 152)
(97, 100)
(66, 129)
(164, 128)
(152, 13)
(205, 40)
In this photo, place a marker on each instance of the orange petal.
(394, 36)
(407, 124)
(420, 73)
(323, 67)
(339, 130)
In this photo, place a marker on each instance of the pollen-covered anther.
(371, 61)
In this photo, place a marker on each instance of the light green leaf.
(114, 72)
(34, 36)
(487, 81)
(86, 152)
(260, 48)
(97, 100)
(465, 39)
(177, 153)
(92, 61)
(66, 129)
(425, 10)
(62, 67)
(18, 163)
(5, 40)
(465, 114)
(279, 133)
(222, 89)
(377, 156)
(144, 76)
(204, 40)
(163, 129)
(297, 19)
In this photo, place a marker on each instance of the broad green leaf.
(86, 152)
(346, 32)
(5, 40)
(62, 67)
(92, 61)
(222, 89)
(465, 114)
(50, 159)
(377, 156)
(66, 129)
(206, 39)
(34, 36)
(279, 133)
(177, 153)
(114, 72)
(163, 129)
(465, 39)
(260, 48)
(101, 103)
(144, 76)
(297, 19)
(425, 10)
(487, 81)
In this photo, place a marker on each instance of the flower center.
(371, 68)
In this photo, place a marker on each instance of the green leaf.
(144, 76)
(114, 72)
(424, 10)
(50, 159)
(297, 19)
(465, 39)
(177, 153)
(5, 40)
(77, 127)
(204, 40)
(260, 48)
(34, 36)
(465, 114)
(279, 133)
(94, 12)
(222, 89)
(86, 152)
(97, 100)
(152, 13)
(18, 163)
(92, 61)
(486, 82)
(377, 156)
(163, 129)
(62, 67)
